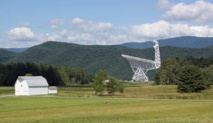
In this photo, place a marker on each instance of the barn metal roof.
(34, 80)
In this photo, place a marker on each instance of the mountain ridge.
(16, 50)
(185, 41)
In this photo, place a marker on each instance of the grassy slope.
(78, 104)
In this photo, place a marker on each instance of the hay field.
(139, 104)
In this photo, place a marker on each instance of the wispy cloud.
(56, 23)
(78, 20)
(82, 25)
(164, 4)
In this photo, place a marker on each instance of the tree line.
(190, 74)
(55, 75)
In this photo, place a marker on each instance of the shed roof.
(52, 87)
(34, 80)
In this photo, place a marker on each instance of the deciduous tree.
(98, 82)
(104, 83)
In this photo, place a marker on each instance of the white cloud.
(200, 11)
(67, 36)
(102, 33)
(201, 31)
(57, 36)
(164, 4)
(158, 29)
(81, 32)
(163, 29)
(20, 34)
(79, 37)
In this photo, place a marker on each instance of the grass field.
(139, 104)
(140, 91)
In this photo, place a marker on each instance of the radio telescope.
(141, 66)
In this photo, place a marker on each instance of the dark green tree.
(191, 79)
(168, 72)
(208, 74)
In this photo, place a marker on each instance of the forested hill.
(186, 41)
(6, 55)
(94, 58)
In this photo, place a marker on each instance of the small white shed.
(53, 90)
(31, 85)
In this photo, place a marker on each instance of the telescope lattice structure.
(141, 66)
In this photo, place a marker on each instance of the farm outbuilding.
(53, 90)
(31, 85)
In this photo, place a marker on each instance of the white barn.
(31, 85)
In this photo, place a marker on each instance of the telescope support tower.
(141, 66)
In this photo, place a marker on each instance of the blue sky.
(26, 23)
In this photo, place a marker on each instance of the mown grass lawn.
(138, 104)
(35, 109)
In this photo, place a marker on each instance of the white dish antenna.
(141, 66)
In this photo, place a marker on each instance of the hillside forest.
(65, 76)
(55, 75)
(65, 64)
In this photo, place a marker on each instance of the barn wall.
(21, 88)
(36, 90)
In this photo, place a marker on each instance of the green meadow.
(138, 104)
